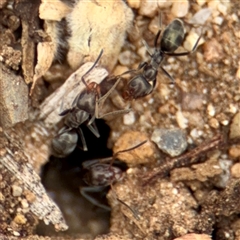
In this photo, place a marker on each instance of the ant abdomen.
(172, 36)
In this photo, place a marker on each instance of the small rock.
(192, 101)
(24, 203)
(222, 9)
(235, 170)
(16, 191)
(201, 2)
(180, 9)
(193, 236)
(164, 3)
(140, 155)
(134, 3)
(213, 51)
(200, 17)
(235, 126)
(20, 219)
(129, 118)
(181, 120)
(213, 122)
(170, 141)
(234, 151)
(148, 8)
(218, 20)
(211, 110)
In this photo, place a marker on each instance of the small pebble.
(20, 219)
(170, 141)
(193, 236)
(213, 51)
(222, 9)
(129, 118)
(191, 40)
(148, 8)
(181, 120)
(235, 126)
(201, 16)
(164, 3)
(201, 2)
(24, 203)
(16, 191)
(213, 122)
(134, 3)
(234, 151)
(140, 155)
(235, 170)
(180, 9)
(218, 20)
(211, 110)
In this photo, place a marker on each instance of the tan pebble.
(2, 198)
(201, 2)
(140, 155)
(238, 71)
(213, 122)
(193, 236)
(16, 191)
(30, 196)
(181, 120)
(24, 203)
(235, 126)
(191, 40)
(180, 8)
(235, 170)
(222, 8)
(20, 219)
(148, 8)
(192, 101)
(213, 51)
(164, 3)
(234, 151)
(134, 3)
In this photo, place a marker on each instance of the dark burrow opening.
(62, 178)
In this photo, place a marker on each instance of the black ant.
(100, 174)
(84, 110)
(144, 83)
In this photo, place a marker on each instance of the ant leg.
(91, 68)
(135, 213)
(93, 128)
(157, 37)
(82, 139)
(84, 192)
(141, 65)
(188, 52)
(147, 47)
(168, 75)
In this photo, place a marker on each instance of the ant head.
(102, 174)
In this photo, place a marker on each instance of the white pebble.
(218, 20)
(129, 119)
(222, 8)
(201, 16)
(201, 2)
(181, 120)
(180, 9)
(164, 3)
(191, 40)
(211, 110)
(16, 191)
(148, 8)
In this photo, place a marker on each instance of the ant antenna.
(126, 150)
(91, 68)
